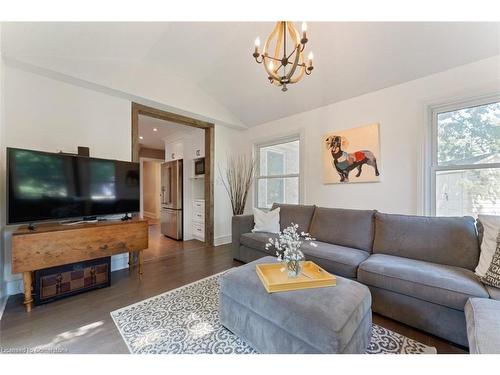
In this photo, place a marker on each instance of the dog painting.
(351, 155)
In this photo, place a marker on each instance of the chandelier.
(283, 66)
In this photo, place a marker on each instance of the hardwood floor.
(161, 246)
(82, 323)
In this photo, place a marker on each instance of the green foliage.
(468, 133)
(472, 136)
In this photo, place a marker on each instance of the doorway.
(151, 189)
(208, 145)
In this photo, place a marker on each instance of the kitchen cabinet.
(174, 150)
(198, 147)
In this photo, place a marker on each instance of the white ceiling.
(350, 58)
(165, 130)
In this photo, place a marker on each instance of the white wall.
(225, 140)
(402, 113)
(48, 115)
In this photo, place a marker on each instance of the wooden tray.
(275, 278)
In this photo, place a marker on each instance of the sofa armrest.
(483, 329)
(240, 224)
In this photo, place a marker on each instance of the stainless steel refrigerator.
(171, 199)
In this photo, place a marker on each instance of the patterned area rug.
(186, 321)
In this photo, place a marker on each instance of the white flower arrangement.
(287, 246)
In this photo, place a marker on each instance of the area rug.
(186, 321)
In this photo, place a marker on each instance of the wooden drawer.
(198, 211)
(199, 204)
(199, 217)
(198, 230)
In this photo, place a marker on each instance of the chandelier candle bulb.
(257, 45)
(304, 32)
(310, 58)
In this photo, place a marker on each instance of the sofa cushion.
(493, 292)
(489, 242)
(339, 260)
(295, 213)
(483, 325)
(445, 240)
(258, 241)
(266, 221)
(351, 228)
(444, 285)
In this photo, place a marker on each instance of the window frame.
(432, 150)
(258, 177)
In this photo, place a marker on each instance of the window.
(277, 173)
(465, 170)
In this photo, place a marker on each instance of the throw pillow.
(492, 276)
(491, 226)
(268, 222)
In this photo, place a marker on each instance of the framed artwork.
(352, 155)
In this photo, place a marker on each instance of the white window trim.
(430, 158)
(276, 141)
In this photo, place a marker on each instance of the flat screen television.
(51, 186)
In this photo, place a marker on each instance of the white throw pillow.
(491, 225)
(268, 222)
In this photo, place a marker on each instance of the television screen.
(48, 186)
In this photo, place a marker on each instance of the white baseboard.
(222, 240)
(119, 262)
(14, 286)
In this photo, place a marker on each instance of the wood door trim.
(139, 109)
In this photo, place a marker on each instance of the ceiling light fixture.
(292, 62)
(155, 130)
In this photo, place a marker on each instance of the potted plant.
(237, 180)
(287, 246)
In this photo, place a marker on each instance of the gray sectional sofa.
(420, 270)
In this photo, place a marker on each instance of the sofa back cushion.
(444, 240)
(295, 213)
(350, 228)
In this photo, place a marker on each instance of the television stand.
(56, 244)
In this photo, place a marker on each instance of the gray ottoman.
(323, 320)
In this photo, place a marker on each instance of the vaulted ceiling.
(215, 57)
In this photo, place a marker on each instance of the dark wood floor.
(82, 324)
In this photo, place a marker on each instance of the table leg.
(28, 299)
(130, 258)
(139, 255)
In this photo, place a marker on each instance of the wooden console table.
(51, 245)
